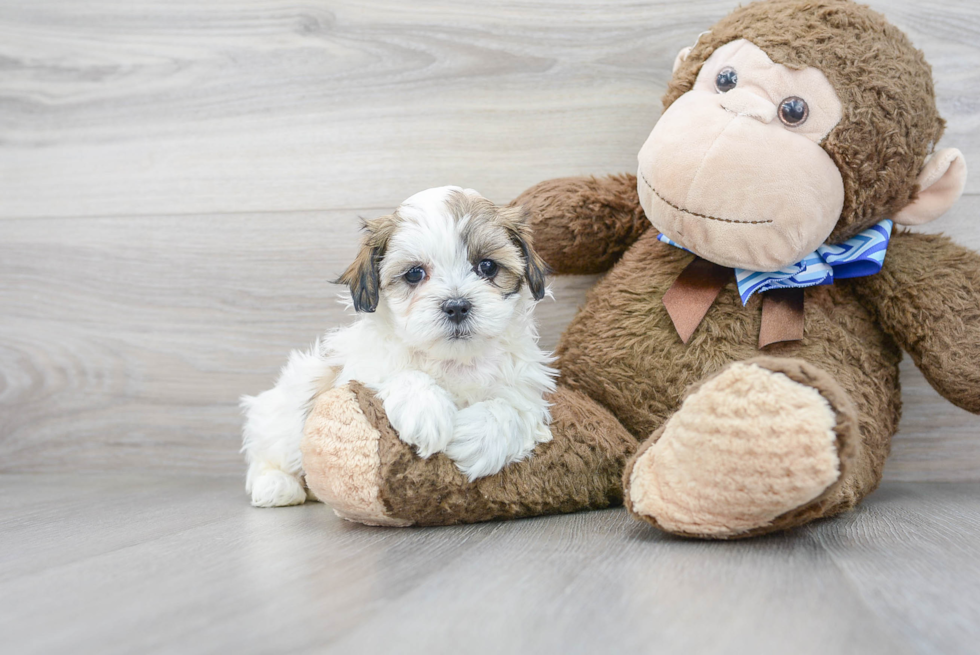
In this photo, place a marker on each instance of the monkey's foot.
(341, 455)
(355, 463)
(762, 446)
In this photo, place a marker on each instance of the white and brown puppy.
(443, 290)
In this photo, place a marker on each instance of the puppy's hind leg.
(273, 430)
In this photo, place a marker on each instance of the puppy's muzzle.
(457, 309)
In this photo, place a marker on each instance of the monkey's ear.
(941, 184)
(681, 56)
(364, 275)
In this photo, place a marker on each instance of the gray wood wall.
(179, 181)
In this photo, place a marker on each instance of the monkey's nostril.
(457, 309)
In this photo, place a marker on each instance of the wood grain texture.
(179, 182)
(142, 107)
(125, 563)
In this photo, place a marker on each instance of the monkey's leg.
(355, 462)
(765, 445)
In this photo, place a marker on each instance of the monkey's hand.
(583, 225)
(927, 297)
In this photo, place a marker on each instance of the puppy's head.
(448, 267)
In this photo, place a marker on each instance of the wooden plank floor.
(126, 563)
(179, 181)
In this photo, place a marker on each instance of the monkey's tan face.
(752, 188)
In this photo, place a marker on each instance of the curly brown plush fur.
(926, 298)
(622, 350)
(625, 371)
(355, 461)
(574, 247)
(892, 106)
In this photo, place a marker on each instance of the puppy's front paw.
(486, 437)
(420, 411)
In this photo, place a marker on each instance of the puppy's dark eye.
(415, 275)
(727, 80)
(793, 111)
(487, 268)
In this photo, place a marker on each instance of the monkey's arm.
(583, 225)
(927, 296)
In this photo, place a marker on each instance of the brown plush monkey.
(790, 130)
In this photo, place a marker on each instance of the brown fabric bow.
(694, 291)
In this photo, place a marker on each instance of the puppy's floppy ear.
(515, 220)
(363, 276)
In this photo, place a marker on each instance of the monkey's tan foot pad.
(341, 456)
(761, 446)
(356, 464)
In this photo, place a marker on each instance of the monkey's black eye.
(487, 268)
(793, 111)
(415, 275)
(726, 80)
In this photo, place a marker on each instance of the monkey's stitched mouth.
(681, 209)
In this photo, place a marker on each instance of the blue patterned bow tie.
(859, 256)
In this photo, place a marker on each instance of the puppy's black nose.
(457, 309)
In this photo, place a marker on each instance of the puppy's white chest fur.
(468, 382)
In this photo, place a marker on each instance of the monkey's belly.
(622, 349)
